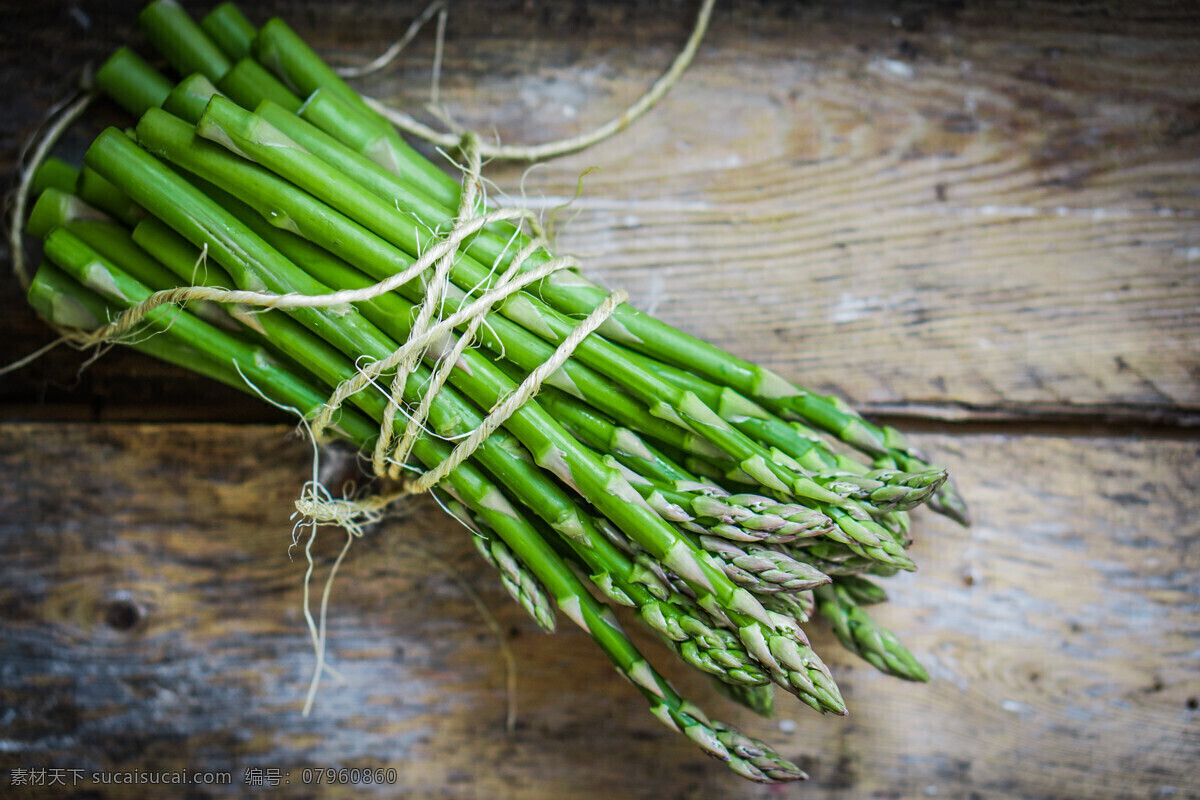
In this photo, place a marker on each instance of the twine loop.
(432, 332)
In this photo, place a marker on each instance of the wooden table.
(976, 222)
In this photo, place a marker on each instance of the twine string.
(432, 330)
(58, 121)
(573, 144)
(389, 55)
(432, 333)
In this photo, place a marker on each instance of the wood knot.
(122, 613)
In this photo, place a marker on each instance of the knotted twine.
(431, 333)
(431, 330)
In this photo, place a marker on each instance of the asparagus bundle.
(652, 470)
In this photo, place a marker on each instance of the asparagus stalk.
(181, 41)
(57, 209)
(248, 84)
(516, 578)
(861, 634)
(253, 137)
(574, 294)
(680, 498)
(189, 97)
(256, 364)
(631, 584)
(131, 82)
(674, 412)
(763, 569)
(775, 641)
(92, 188)
(551, 503)
(759, 699)
(249, 135)
(229, 29)
(134, 84)
(67, 304)
(863, 534)
(277, 46)
(863, 591)
(292, 60)
(799, 605)
(787, 656)
(54, 173)
(745, 756)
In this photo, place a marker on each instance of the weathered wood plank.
(976, 212)
(150, 620)
(905, 217)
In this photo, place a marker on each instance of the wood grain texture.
(971, 214)
(150, 621)
(974, 212)
(967, 212)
